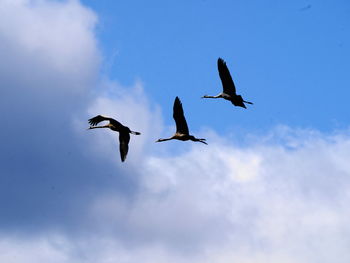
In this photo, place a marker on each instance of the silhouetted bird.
(229, 89)
(124, 136)
(182, 132)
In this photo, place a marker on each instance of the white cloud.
(27, 250)
(262, 203)
(49, 64)
(47, 45)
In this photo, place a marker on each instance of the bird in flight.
(124, 136)
(182, 132)
(229, 89)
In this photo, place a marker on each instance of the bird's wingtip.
(177, 100)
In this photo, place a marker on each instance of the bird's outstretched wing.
(179, 117)
(124, 138)
(96, 120)
(226, 79)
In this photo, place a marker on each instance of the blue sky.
(291, 62)
(273, 183)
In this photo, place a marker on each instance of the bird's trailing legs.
(192, 138)
(248, 102)
(200, 140)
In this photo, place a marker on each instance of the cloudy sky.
(272, 186)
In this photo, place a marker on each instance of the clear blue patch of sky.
(291, 58)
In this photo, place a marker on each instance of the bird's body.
(229, 89)
(182, 132)
(114, 125)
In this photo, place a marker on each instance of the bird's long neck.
(166, 139)
(95, 127)
(212, 97)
